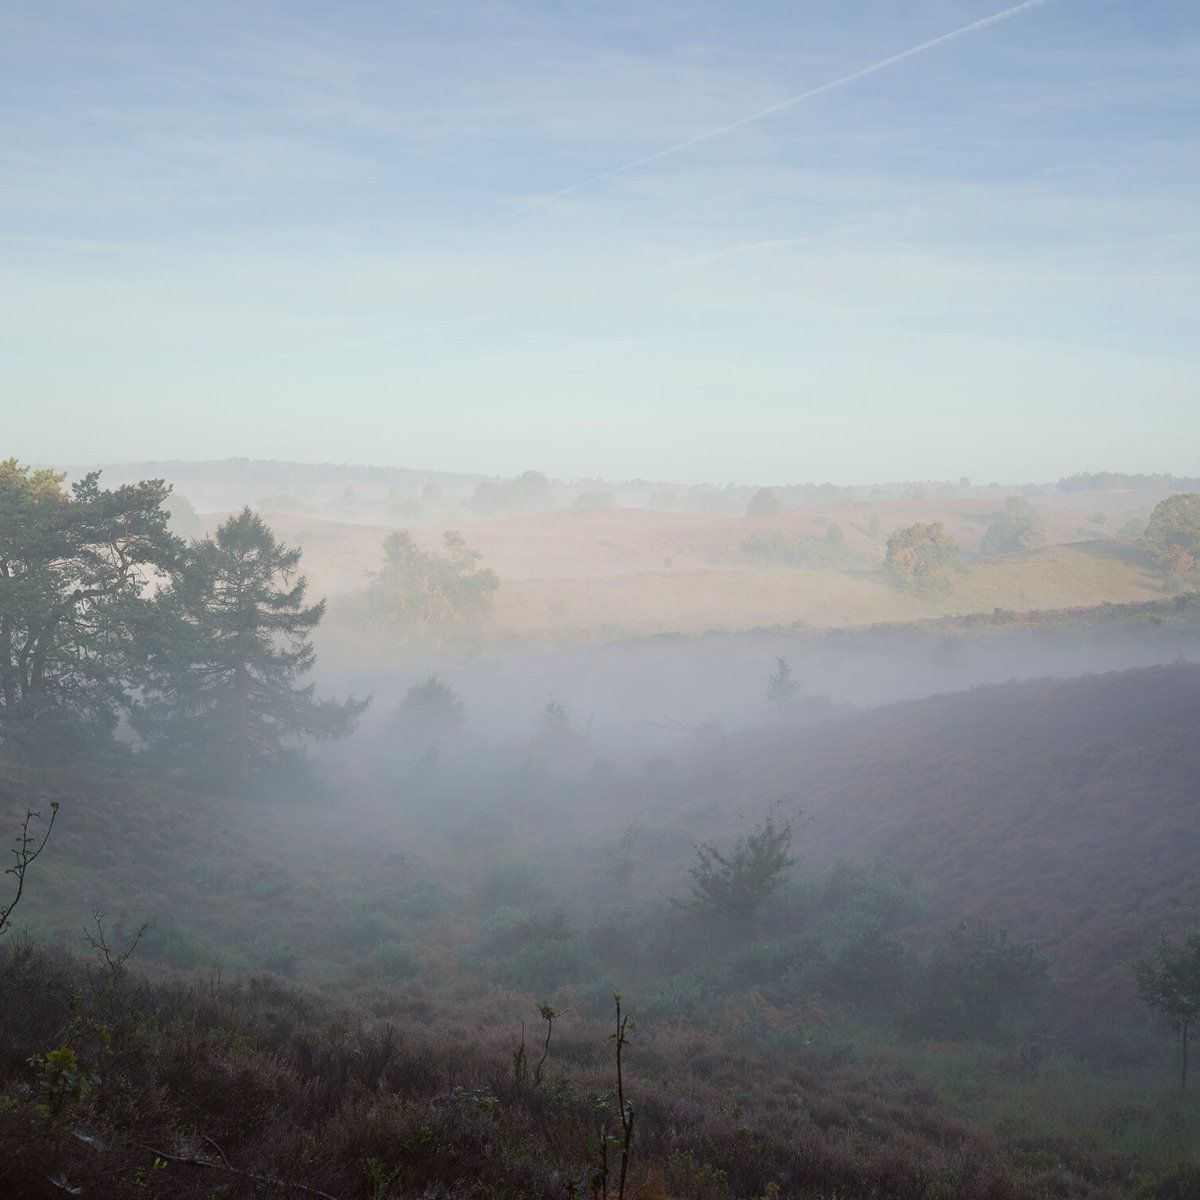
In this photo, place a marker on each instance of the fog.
(599, 602)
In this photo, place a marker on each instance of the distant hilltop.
(274, 474)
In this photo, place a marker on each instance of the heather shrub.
(394, 962)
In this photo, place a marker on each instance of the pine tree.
(75, 568)
(233, 649)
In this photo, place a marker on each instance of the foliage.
(234, 646)
(737, 882)
(1169, 982)
(530, 491)
(780, 549)
(1015, 528)
(764, 503)
(430, 710)
(423, 595)
(1173, 534)
(921, 556)
(185, 521)
(977, 982)
(75, 567)
(62, 1082)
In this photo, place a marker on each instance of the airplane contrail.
(883, 64)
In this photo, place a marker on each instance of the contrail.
(883, 64)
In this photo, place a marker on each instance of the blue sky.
(291, 230)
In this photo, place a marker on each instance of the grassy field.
(603, 574)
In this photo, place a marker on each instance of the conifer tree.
(233, 651)
(76, 565)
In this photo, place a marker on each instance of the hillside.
(607, 573)
(434, 900)
(1066, 811)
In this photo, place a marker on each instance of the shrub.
(978, 983)
(737, 883)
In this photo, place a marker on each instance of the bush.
(870, 892)
(978, 983)
(870, 969)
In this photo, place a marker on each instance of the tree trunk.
(242, 731)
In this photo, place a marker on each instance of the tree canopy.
(764, 503)
(1014, 528)
(75, 567)
(1173, 534)
(1169, 982)
(227, 691)
(921, 556)
(424, 594)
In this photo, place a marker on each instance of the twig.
(191, 1161)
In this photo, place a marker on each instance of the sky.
(399, 233)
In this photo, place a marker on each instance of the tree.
(530, 491)
(1014, 528)
(1173, 534)
(764, 503)
(75, 568)
(920, 556)
(782, 687)
(422, 593)
(1170, 983)
(430, 710)
(736, 883)
(234, 645)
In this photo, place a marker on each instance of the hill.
(438, 897)
(600, 574)
(1063, 810)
